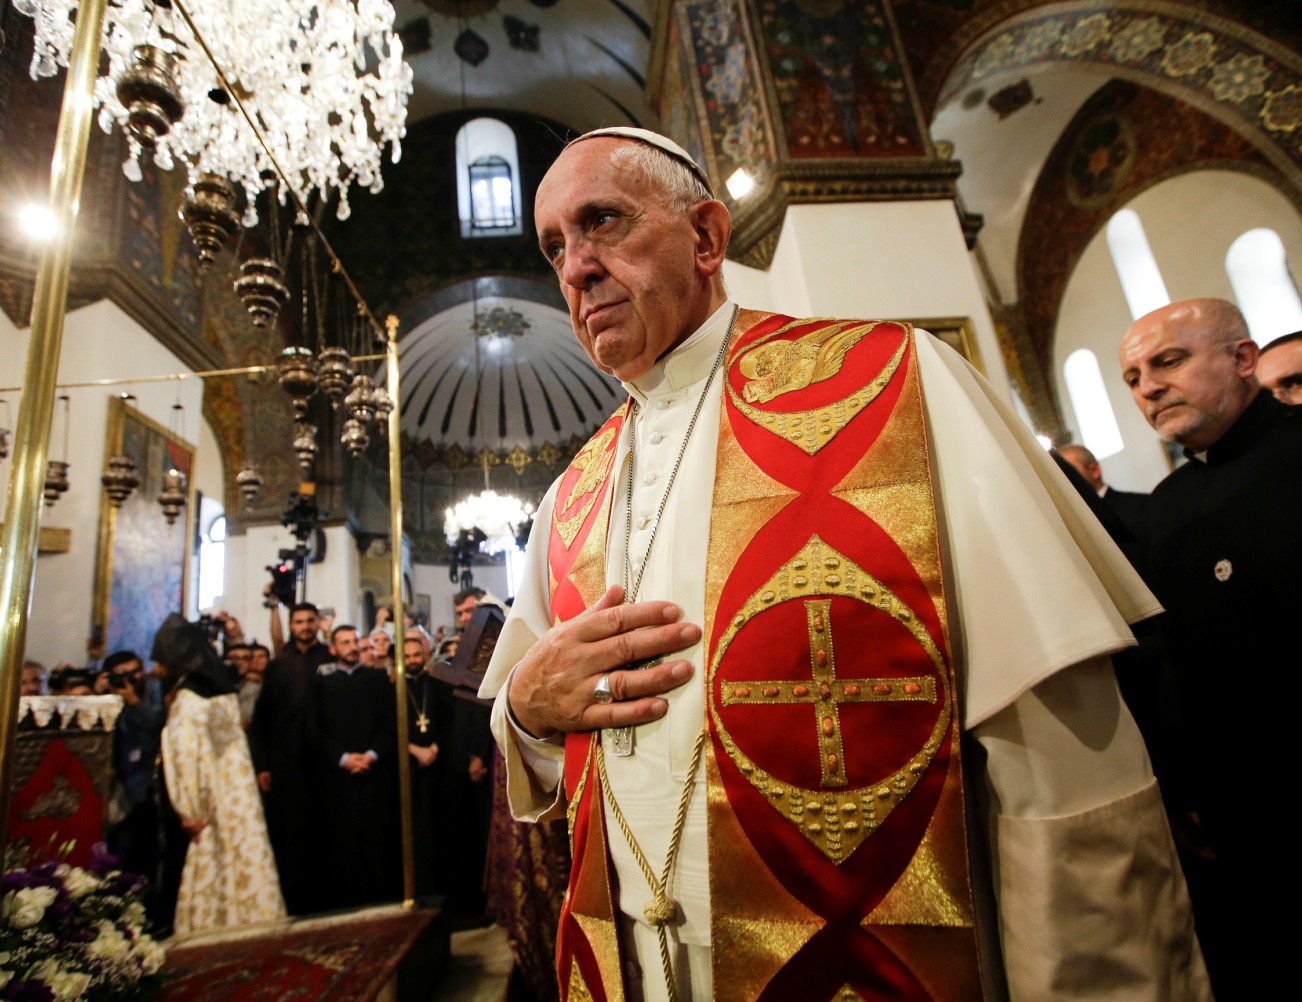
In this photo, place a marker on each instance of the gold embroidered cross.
(825, 692)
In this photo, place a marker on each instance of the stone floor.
(479, 968)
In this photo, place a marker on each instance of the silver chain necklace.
(621, 738)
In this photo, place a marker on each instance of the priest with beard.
(352, 728)
(230, 874)
(429, 717)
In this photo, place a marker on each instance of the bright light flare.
(740, 183)
(38, 222)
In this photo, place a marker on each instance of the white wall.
(99, 342)
(1190, 222)
(332, 583)
(432, 580)
(896, 260)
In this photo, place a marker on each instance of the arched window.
(1089, 399)
(488, 171)
(1267, 295)
(1141, 280)
(212, 560)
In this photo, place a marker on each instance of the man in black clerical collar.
(276, 739)
(352, 731)
(1224, 542)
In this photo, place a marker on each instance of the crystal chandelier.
(324, 79)
(498, 516)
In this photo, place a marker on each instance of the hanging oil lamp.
(249, 481)
(262, 289)
(172, 497)
(361, 400)
(354, 437)
(150, 95)
(336, 373)
(298, 376)
(305, 446)
(120, 479)
(208, 211)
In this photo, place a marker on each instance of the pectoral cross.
(621, 738)
(825, 692)
(422, 722)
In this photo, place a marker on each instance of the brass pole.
(174, 377)
(36, 411)
(395, 568)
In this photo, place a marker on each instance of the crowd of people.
(245, 772)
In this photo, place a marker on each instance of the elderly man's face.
(625, 260)
(1190, 385)
(1280, 371)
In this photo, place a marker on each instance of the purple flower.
(102, 862)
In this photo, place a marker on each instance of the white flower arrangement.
(69, 934)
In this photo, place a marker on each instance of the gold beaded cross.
(825, 692)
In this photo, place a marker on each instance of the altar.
(63, 775)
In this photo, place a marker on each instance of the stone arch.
(1229, 71)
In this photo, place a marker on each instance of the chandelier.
(324, 79)
(497, 516)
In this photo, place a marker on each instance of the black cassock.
(1225, 560)
(278, 740)
(359, 850)
(429, 704)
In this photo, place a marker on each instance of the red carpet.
(336, 961)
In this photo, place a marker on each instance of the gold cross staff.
(825, 692)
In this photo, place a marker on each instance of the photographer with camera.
(132, 830)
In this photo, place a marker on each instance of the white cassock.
(1091, 900)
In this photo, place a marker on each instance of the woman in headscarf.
(230, 873)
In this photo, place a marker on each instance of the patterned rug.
(334, 960)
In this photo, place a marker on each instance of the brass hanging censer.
(172, 497)
(4, 432)
(336, 373)
(208, 211)
(56, 470)
(361, 401)
(298, 377)
(149, 93)
(250, 482)
(382, 402)
(354, 437)
(262, 289)
(120, 479)
(56, 481)
(305, 446)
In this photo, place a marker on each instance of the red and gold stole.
(838, 849)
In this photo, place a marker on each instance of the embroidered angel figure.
(784, 366)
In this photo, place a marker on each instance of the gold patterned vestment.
(834, 782)
(230, 874)
(1026, 554)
